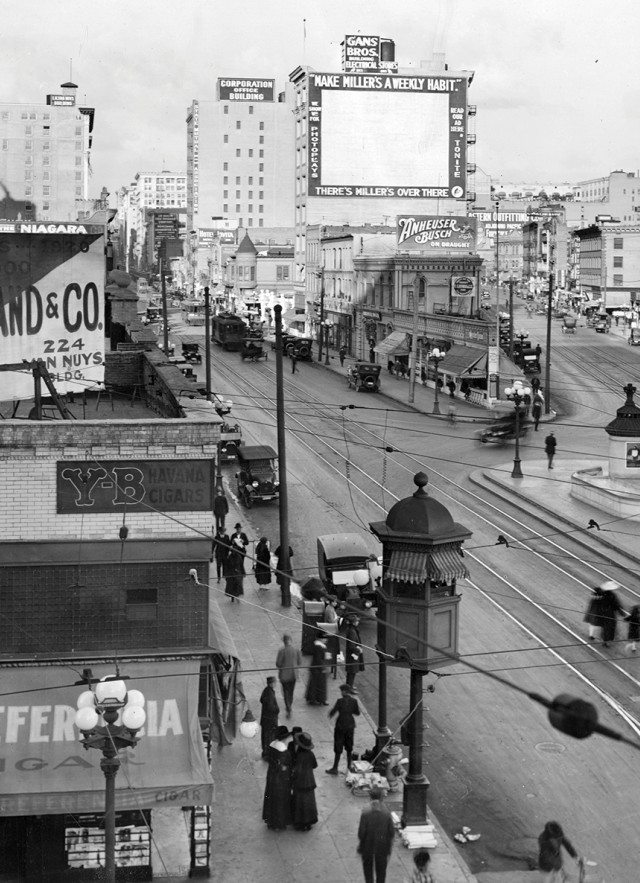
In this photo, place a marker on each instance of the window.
(28, 175)
(78, 145)
(249, 208)
(78, 191)
(238, 209)
(261, 155)
(225, 180)
(28, 190)
(24, 116)
(261, 167)
(28, 130)
(46, 176)
(251, 151)
(226, 108)
(225, 167)
(225, 207)
(46, 160)
(78, 160)
(5, 144)
(282, 273)
(46, 145)
(238, 151)
(250, 194)
(250, 221)
(28, 160)
(28, 145)
(260, 209)
(142, 604)
(250, 179)
(238, 124)
(618, 242)
(225, 194)
(261, 194)
(261, 139)
(6, 115)
(250, 110)
(238, 194)
(46, 191)
(78, 130)
(261, 181)
(237, 179)
(33, 116)
(617, 261)
(260, 222)
(261, 126)
(46, 206)
(78, 175)
(226, 139)
(617, 279)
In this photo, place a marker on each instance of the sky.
(557, 82)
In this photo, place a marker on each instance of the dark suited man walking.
(375, 838)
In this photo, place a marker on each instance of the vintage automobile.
(258, 476)
(569, 324)
(253, 349)
(349, 570)
(364, 376)
(191, 353)
(503, 429)
(602, 324)
(633, 339)
(301, 346)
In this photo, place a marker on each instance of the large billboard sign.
(436, 233)
(386, 135)
(52, 304)
(361, 52)
(246, 90)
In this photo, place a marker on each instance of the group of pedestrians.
(229, 553)
(289, 795)
(603, 611)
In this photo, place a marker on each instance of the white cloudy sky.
(557, 82)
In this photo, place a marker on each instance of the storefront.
(53, 795)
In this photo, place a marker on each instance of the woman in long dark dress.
(263, 562)
(316, 693)
(276, 807)
(234, 573)
(303, 798)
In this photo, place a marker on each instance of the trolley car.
(229, 331)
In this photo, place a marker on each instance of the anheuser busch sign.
(52, 304)
(436, 232)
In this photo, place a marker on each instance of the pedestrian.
(342, 352)
(610, 608)
(234, 570)
(268, 716)
(538, 352)
(535, 384)
(304, 810)
(550, 843)
(536, 410)
(465, 389)
(550, 448)
(423, 375)
(221, 544)
(316, 693)
(421, 872)
(262, 564)
(282, 570)
(294, 361)
(220, 509)
(288, 661)
(372, 355)
(276, 806)
(353, 655)
(376, 832)
(346, 708)
(399, 369)
(240, 535)
(451, 386)
(593, 616)
(391, 366)
(633, 634)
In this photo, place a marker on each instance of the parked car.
(341, 557)
(633, 339)
(602, 326)
(258, 475)
(364, 376)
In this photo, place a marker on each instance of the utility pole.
(283, 504)
(207, 341)
(321, 334)
(512, 283)
(414, 339)
(547, 358)
(163, 284)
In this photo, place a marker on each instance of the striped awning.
(442, 564)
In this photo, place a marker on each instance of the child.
(421, 873)
(634, 628)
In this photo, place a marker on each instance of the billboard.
(386, 135)
(246, 90)
(436, 233)
(366, 52)
(52, 304)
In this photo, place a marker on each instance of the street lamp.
(111, 700)
(436, 356)
(521, 335)
(327, 325)
(517, 394)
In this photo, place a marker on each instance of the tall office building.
(241, 156)
(45, 157)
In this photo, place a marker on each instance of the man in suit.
(375, 838)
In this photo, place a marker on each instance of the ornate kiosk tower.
(418, 613)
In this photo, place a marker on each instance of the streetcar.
(229, 331)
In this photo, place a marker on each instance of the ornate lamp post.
(436, 356)
(517, 394)
(110, 700)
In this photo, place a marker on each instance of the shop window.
(617, 279)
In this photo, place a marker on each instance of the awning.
(442, 564)
(460, 359)
(395, 344)
(507, 369)
(290, 317)
(46, 769)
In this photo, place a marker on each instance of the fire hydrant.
(394, 770)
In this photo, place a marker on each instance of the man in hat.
(346, 708)
(288, 661)
(268, 716)
(550, 448)
(220, 510)
(239, 539)
(375, 837)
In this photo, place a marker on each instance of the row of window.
(225, 208)
(24, 115)
(250, 151)
(225, 168)
(250, 109)
(225, 180)
(225, 194)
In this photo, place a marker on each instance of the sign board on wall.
(243, 89)
(385, 135)
(134, 486)
(436, 233)
(52, 304)
(61, 100)
(361, 52)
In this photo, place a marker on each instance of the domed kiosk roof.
(627, 420)
(420, 517)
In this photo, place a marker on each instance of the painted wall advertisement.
(385, 135)
(51, 305)
(436, 233)
(246, 90)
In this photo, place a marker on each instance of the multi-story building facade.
(149, 195)
(607, 266)
(241, 156)
(45, 157)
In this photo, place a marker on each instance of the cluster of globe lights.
(110, 699)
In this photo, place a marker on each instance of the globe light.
(249, 725)
(135, 697)
(111, 692)
(133, 716)
(86, 719)
(86, 699)
(361, 578)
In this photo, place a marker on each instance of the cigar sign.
(52, 304)
(436, 233)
